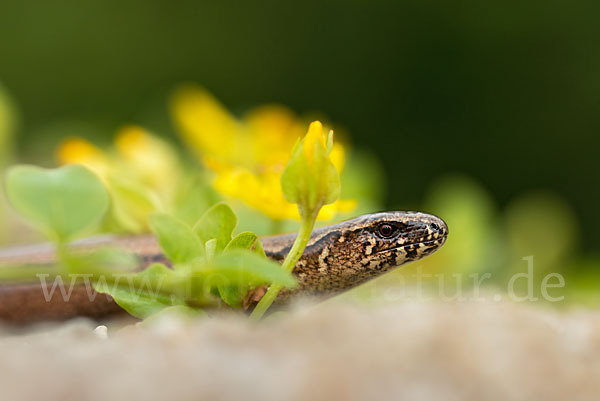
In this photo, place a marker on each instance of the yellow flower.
(249, 155)
(310, 179)
(151, 160)
(141, 172)
(80, 151)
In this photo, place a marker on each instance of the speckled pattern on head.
(347, 254)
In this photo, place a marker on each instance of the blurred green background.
(505, 92)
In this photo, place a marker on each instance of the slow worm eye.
(386, 230)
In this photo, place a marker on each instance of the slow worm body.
(337, 258)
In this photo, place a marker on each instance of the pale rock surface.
(413, 351)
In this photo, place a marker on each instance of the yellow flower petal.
(273, 130)
(80, 151)
(314, 135)
(74, 150)
(203, 122)
(148, 159)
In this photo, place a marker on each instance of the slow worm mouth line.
(441, 238)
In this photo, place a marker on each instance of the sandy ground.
(412, 351)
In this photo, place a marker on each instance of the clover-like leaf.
(176, 239)
(218, 222)
(63, 202)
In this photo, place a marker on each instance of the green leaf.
(245, 240)
(211, 248)
(144, 293)
(101, 261)
(218, 222)
(176, 239)
(232, 295)
(194, 198)
(293, 184)
(244, 268)
(331, 176)
(63, 202)
(310, 186)
(259, 250)
(132, 203)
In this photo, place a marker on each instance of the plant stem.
(306, 227)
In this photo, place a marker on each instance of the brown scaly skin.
(337, 258)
